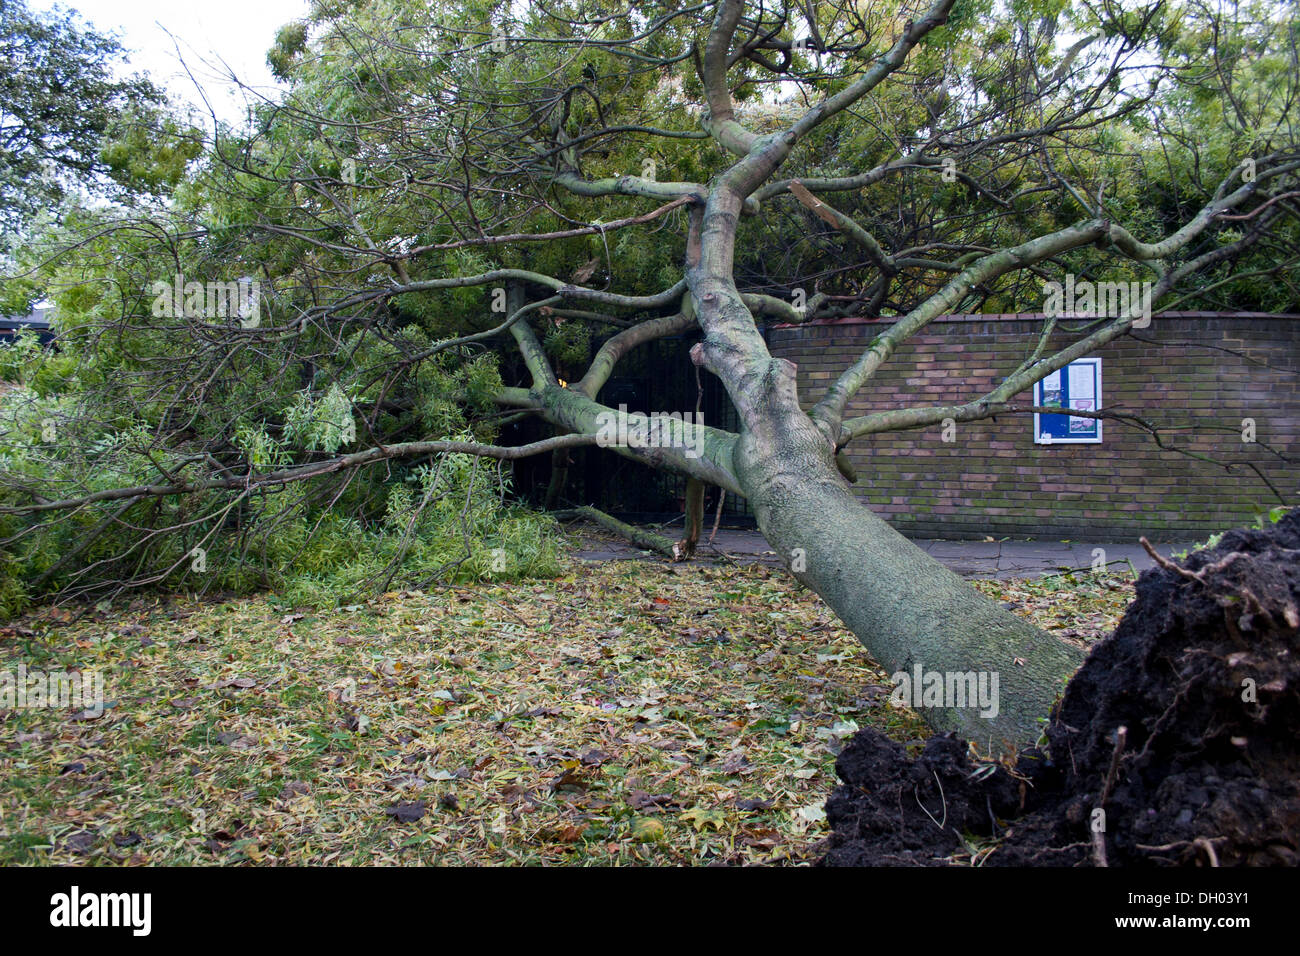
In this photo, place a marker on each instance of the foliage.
(70, 125)
(449, 517)
(421, 146)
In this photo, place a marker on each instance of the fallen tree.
(420, 158)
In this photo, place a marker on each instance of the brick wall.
(993, 480)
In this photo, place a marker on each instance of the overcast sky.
(238, 32)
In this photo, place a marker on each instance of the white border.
(1038, 397)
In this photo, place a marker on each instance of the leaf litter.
(627, 713)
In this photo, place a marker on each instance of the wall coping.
(1023, 317)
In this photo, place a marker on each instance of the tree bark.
(906, 608)
(560, 462)
(637, 536)
(684, 550)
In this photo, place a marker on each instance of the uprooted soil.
(1181, 727)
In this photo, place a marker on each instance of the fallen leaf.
(640, 800)
(407, 812)
(242, 683)
(647, 830)
(80, 843)
(701, 818)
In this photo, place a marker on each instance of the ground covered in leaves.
(1175, 743)
(627, 713)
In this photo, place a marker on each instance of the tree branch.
(285, 476)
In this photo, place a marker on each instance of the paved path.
(972, 559)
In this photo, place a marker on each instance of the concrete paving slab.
(964, 549)
(974, 559)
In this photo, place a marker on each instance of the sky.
(207, 32)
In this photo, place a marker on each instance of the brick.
(994, 478)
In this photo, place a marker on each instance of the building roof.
(38, 320)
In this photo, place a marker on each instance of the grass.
(625, 713)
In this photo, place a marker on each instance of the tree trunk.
(911, 613)
(684, 550)
(907, 609)
(560, 462)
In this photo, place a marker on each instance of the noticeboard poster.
(1075, 387)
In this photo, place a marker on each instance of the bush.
(330, 539)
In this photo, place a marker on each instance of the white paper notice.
(1083, 396)
(1083, 385)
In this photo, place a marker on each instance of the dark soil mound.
(1181, 727)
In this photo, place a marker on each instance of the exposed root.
(1185, 717)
